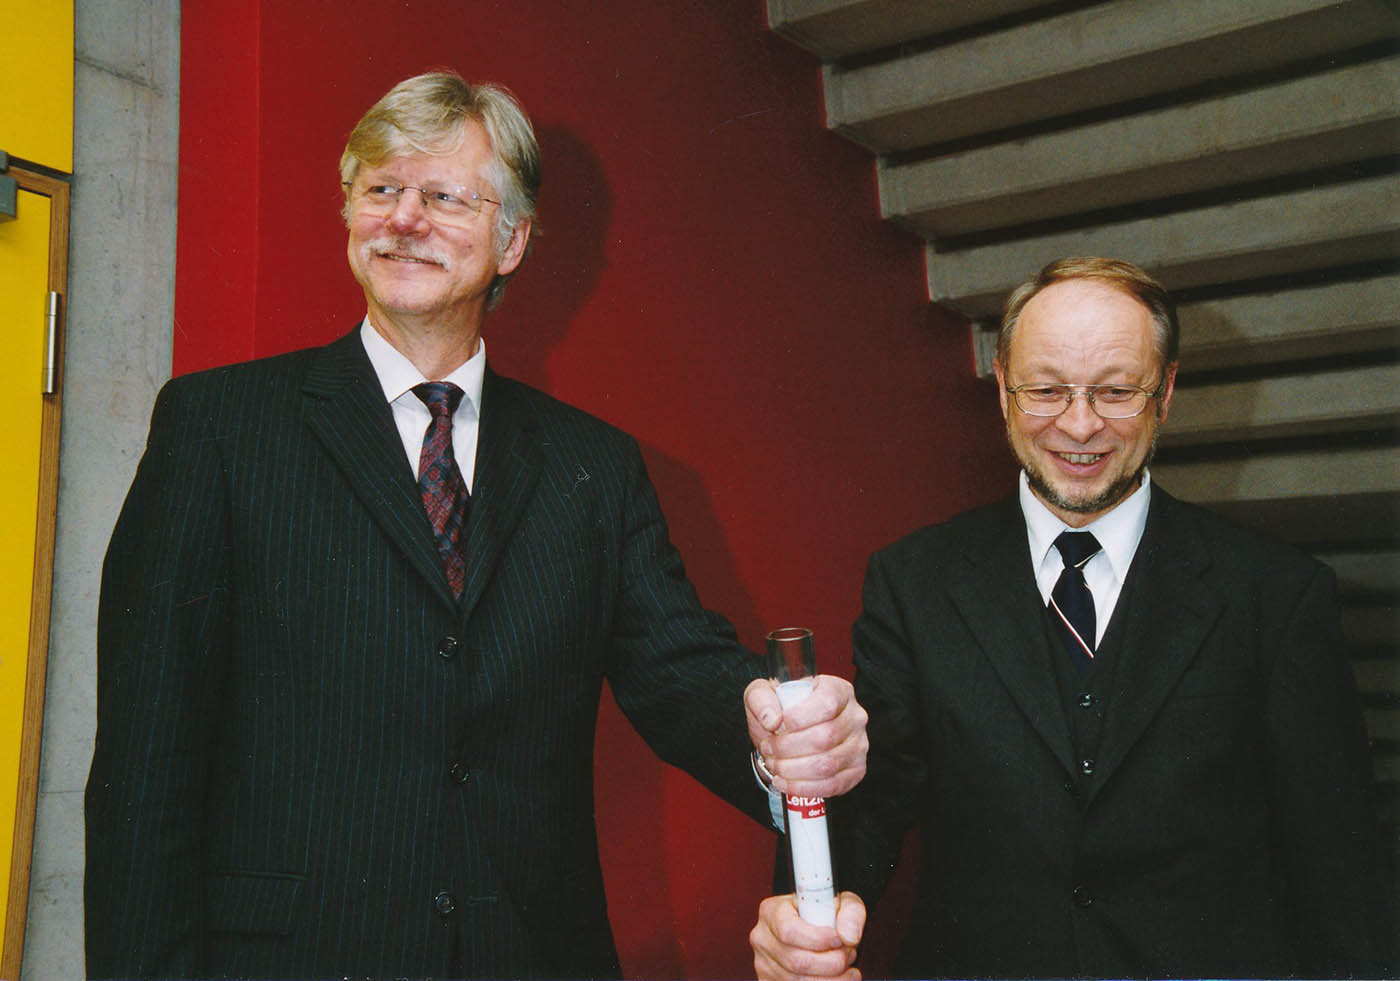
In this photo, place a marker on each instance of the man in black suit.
(1140, 754)
(358, 610)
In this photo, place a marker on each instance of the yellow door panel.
(36, 111)
(24, 275)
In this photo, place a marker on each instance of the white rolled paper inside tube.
(807, 837)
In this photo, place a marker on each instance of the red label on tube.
(808, 807)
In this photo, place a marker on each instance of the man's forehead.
(1070, 293)
(1084, 320)
(413, 160)
(466, 154)
(1084, 309)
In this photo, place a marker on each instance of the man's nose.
(1079, 421)
(409, 214)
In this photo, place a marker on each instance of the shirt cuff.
(775, 799)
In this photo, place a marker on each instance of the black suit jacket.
(1226, 829)
(310, 760)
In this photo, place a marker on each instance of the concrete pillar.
(120, 299)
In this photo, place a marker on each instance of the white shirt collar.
(397, 375)
(1118, 532)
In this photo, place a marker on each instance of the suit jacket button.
(1071, 789)
(448, 647)
(444, 903)
(1086, 767)
(459, 773)
(1086, 700)
(1082, 897)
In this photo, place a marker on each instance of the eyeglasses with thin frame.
(450, 205)
(1108, 401)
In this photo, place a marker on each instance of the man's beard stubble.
(1105, 499)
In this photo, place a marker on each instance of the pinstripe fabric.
(307, 751)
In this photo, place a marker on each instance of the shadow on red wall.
(567, 259)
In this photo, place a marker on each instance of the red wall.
(712, 276)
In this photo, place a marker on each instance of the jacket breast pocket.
(1204, 682)
(251, 903)
(1212, 726)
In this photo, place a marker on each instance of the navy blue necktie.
(1071, 604)
(445, 497)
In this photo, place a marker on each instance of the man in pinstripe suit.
(339, 738)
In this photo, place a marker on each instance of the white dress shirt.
(1118, 533)
(397, 376)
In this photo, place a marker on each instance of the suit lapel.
(999, 601)
(507, 468)
(346, 410)
(1172, 609)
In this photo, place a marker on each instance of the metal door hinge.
(9, 190)
(51, 344)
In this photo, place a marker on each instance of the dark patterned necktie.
(1071, 604)
(445, 497)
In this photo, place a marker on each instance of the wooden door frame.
(21, 852)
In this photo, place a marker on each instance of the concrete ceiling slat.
(840, 28)
(1090, 58)
(1302, 475)
(1353, 222)
(1332, 318)
(1340, 400)
(1371, 626)
(1367, 573)
(1322, 120)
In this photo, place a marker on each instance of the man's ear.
(1168, 387)
(514, 250)
(1002, 397)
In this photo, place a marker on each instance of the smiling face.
(1083, 332)
(421, 275)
